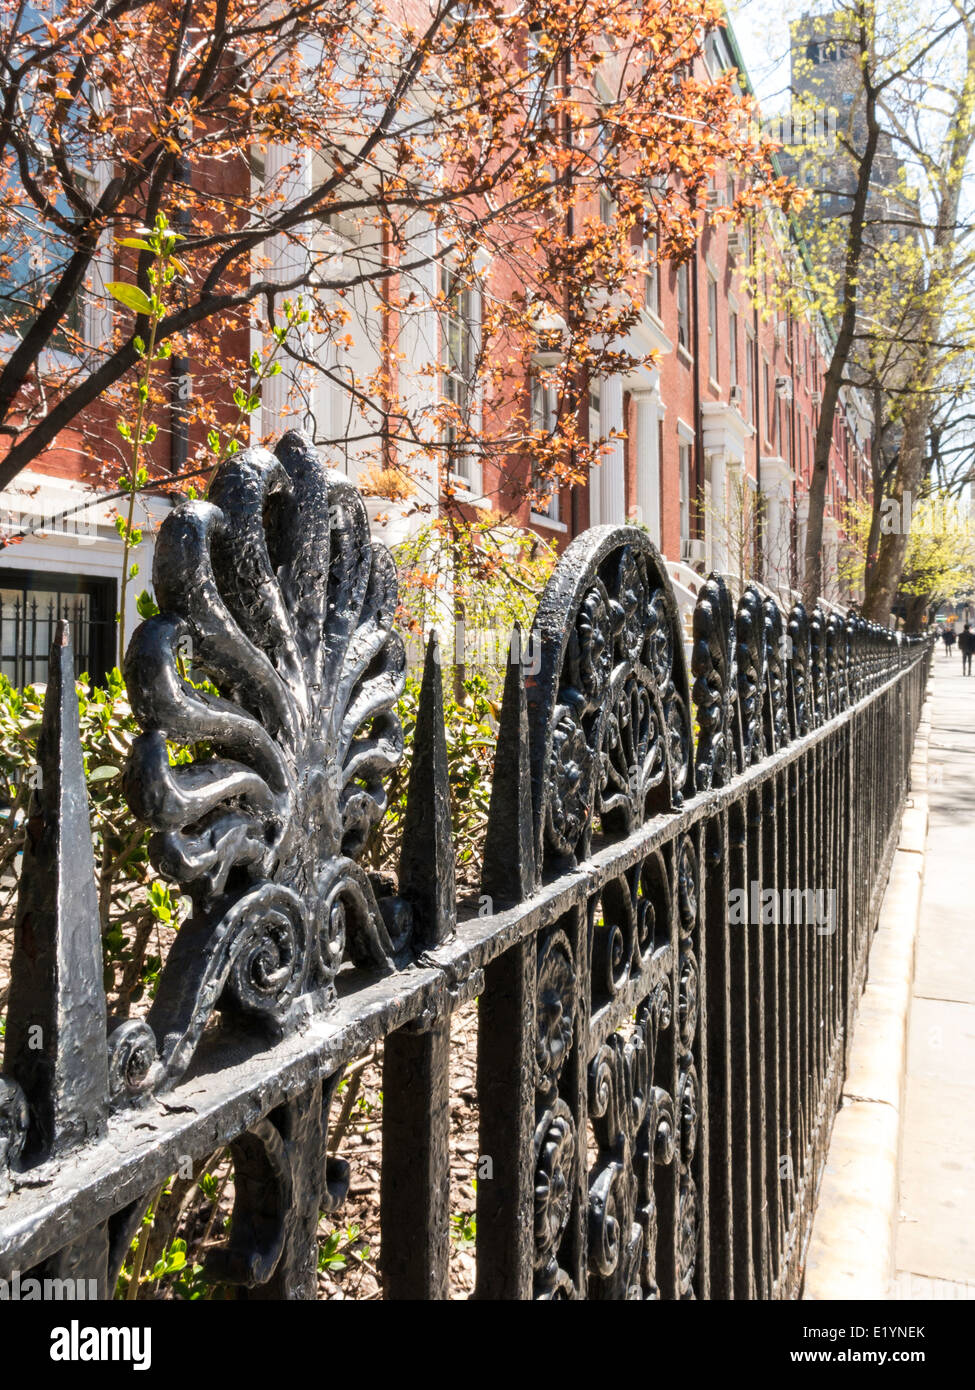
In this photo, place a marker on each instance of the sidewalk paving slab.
(935, 1250)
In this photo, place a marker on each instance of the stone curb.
(851, 1247)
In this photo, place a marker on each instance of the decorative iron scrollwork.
(799, 675)
(713, 665)
(688, 1104)
(750, 661)
(608, 711)
(775, 713)
(555, 1150)
(633, 1123)
(274, 664)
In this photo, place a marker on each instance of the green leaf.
(130, 295)
(135, 242)
(105, 773)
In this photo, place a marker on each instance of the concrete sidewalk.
(935, 1250)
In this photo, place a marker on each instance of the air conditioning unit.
(692, 552)
(783, 388)
(736, 395)
(816, 397)
(737, 244)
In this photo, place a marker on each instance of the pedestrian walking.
(966, 645)
(949, 637)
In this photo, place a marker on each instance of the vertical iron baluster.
(506, 1017)
(55, 1044)
(720, 939)
(775, 1150)
(415, 1174)
(756, 1046)
(741, 1061)
(415, 1182)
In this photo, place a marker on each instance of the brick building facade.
(709, 444)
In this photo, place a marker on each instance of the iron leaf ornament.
(274, 665)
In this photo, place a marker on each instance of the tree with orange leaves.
(376, 159)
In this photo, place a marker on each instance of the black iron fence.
(666, 953)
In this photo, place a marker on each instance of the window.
(607, 208)
(38, 255)
(785, 433)
(712, 328)
(766, 400)
(544, 410)
(749, 374)
(540, 84)
(684, 453)
(683, 307)
(30, 605)
(459, 338)
(651, 286)
(595, 430)
(733, 348)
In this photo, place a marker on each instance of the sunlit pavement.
(935, 1256)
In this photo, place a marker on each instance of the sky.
(762, 31)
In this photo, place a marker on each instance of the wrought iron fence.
(666, 954)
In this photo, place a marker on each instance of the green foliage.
(338, 1247)
(471, 726)
(940, 559)
(493, 573)
(463, 1229)
(134, 906)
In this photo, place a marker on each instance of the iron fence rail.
(660, 1042)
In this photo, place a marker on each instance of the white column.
(648, 460)
(718, 522)
(777, 490)
(595, 483)
(774, 557)
(612, 501)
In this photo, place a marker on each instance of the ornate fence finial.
(426, 869)
(56, 1018)
(509, 872)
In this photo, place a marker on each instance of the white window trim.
(470, 489)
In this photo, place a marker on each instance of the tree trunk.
(812, 584)
(886, 573)
(914, 610)
(877, 474)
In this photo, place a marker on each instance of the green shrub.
(471, 727)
